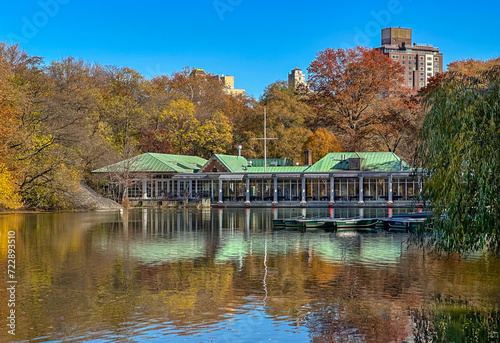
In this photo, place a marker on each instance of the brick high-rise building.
(419, 61)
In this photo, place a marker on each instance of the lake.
(224, 275)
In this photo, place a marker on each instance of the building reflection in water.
(201, 273)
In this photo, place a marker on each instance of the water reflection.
(224, 275)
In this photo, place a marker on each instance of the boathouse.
(337, 178)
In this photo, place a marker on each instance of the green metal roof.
(291, 169)
(235, 164)
(371, 161)
(272, 162)
(156, 163)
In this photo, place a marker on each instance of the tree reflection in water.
(227, 276)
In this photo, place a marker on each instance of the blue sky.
(256, 41)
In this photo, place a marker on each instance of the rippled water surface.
(226, 276)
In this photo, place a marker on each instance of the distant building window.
(409, 68)
(421, 57)
(421, 79)
(409, 57)
(436, 58)
(421, 68)
(421, 74)
(421, 63)
(436, 64)
(429, 69)
(410, 84)
(436, 69)
(429, 74)
(421, 84)
(409, 73)
(403, 62)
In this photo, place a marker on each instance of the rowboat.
(404, 224)
(359, 224)
(321, 223)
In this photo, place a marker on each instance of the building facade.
(295, 78)
(227, 81)
(419, 61)
(338, 178)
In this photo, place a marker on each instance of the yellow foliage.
(9, 197)
(216, 134)
(178, 110)
(180, 125)
(322, 142)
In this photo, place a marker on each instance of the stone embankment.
(85, 198)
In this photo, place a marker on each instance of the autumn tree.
(159, 94)
(215, 136)
(286, 120)
(397, 130)
(9, 197)
(348, 90)
(203, 89)
(321, 143)
(181, 127)
(123, 100)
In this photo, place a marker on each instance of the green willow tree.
(459, 147)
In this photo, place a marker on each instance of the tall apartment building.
(419, 61)
(295, 78)
(227, 81)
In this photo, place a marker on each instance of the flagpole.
(265, 141)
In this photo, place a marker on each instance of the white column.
(275, 181)
(361, 191)
(390, 189)
(303, 189)
(332, 189)
(220, 190)
(247, 198)
(144, 189)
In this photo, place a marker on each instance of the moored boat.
(360, 224)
